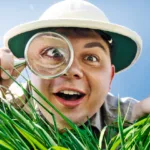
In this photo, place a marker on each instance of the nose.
(75, 71)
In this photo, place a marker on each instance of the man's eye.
(53, 53)
(91, 58)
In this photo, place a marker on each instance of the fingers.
(6, 62)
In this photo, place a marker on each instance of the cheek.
(40, 84)
(99, 87)
(99, 80)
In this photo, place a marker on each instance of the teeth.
(70, 92)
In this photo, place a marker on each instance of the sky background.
(133, 14)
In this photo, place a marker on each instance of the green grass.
(22, 131)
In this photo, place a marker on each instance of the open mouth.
(70, 95)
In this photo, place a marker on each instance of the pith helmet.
(127, 44)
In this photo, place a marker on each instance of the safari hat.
(127, 44)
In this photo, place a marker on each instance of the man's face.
(80, 92)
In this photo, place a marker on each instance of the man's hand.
(7, 63)
(141, 108)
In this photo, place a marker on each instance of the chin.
(78, 119)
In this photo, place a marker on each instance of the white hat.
(127, 44)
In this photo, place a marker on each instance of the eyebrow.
(94, 44)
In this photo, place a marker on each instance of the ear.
(112, 75)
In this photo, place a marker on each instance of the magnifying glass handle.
(19, 63)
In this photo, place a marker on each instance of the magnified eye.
(55, 53)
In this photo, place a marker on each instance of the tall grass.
(24, 131)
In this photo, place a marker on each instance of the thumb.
(19, 65)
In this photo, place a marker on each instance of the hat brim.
(126, 49)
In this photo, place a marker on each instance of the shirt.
(106, 115)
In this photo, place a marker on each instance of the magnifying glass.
(48, 55)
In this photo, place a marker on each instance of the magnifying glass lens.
(49, 54)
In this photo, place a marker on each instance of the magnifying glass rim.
(70, 49)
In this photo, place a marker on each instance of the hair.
(84, 32)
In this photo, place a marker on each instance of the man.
(101, 49)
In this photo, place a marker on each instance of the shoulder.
(113, 100)
(110, 107)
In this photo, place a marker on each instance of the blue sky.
(133, 14)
